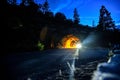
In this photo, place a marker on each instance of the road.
(54, 64)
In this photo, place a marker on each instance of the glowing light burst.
(71, 41)
(78, 45)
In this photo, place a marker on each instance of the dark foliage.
(76, 17)
(23, 26)
(105, 20)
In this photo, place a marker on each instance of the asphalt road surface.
(54, 64)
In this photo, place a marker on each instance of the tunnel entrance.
(69, 41)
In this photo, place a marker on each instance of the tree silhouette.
(45, 7)
(23, 24)
(24, 2)
(76, 16)
(105, 20)
(33, 7)
(60, 18)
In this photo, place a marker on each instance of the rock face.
(69, 41)
(108, 70)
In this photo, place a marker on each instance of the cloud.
(70, 4)
(61, 5)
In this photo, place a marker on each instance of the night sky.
(87, 9)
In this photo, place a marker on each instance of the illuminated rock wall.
(69, 41)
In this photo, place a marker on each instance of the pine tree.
(45, 7)
(105, 20)
(76, 16)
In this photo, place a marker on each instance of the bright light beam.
(72, 70)
(79, 45)
(72, 66)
